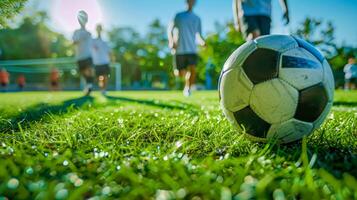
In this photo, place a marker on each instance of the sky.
(139, 13)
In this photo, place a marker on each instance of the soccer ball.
(276, 87)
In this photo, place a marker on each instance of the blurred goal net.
(37, 74)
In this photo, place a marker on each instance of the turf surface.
(144, 145)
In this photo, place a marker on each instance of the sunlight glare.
(64, 14)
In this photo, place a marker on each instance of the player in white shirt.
(101, 59)
(182, 34)
(83, 42)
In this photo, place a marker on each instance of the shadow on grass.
(156, 103)
(36, 112)
(345, 103)
(336, 159)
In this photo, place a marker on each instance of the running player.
(101, 60)
(83, 41)
(188, 27)
(253, 17)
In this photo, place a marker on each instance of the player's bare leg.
(88, 74)
(190, 80)
(103, 82)
(253, 35)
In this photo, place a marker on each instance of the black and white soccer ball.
(276, 87)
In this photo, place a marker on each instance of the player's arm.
(200, 37)
(285, 7)
(237, 7)
(170, 32)
(75, 38)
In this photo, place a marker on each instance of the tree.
(320, 34)
(9, 8)
(33, 39)
(141, 53)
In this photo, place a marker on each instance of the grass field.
(145, 145)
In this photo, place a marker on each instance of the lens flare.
(64, 14)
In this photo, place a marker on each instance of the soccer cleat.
(186, 92)
(88, 90)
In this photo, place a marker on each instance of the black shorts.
(254, 23)
(85, 64)
(102, 70)
(3, 84)
(351, 80)
(185, 60)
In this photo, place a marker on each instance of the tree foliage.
(141, 53)
(8, 8)
(33, 39)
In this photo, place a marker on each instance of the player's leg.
(250, 27)
(102, 72)
(179, 69)
(89, 75)
(191, 61)
(3, 86)
(191, 77)
(347, 84)
(264, 25)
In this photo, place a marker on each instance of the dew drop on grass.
(279, 194)
(121, 122)
(164, 194)
(62, 194)
(13, 183)
(78, 182)
(65, 163)
(106, 190)
(11, 150)
(118, 167)
(219, 179)
(178, 144)
(29, 171)
(181, 193)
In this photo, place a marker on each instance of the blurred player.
(350, 74)
(253, 17)
(101, 60)
(4, 79)
(21, 82)
(54, 79)
(182, 34)
(83, 41)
